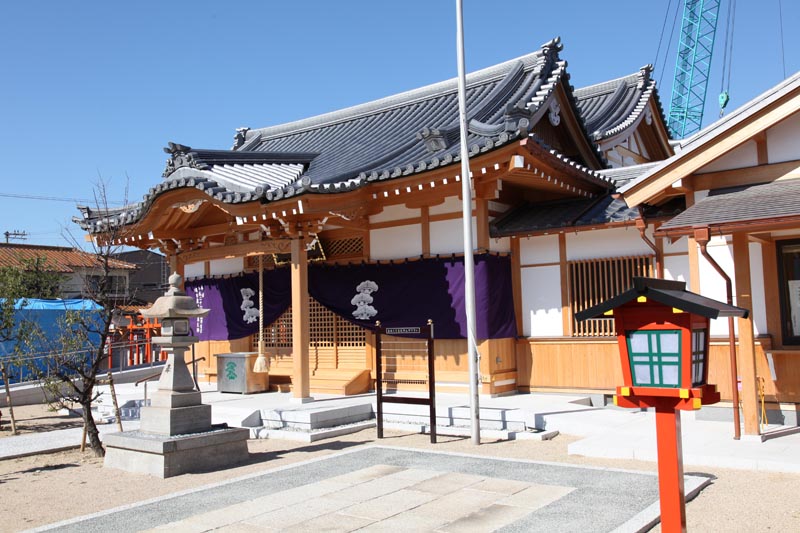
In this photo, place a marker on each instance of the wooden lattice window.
(326, 329)
(352, 247)
(595, 280)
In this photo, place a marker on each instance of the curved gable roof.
(611, 107)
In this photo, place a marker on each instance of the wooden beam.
(300, 326)
(747, 348)
(516, 283)
(236, 250)
(761, 148)
(747, 176)
(762, 238)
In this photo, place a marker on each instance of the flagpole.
(469, 261)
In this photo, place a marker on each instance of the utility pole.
(469, 262)
(16, 234)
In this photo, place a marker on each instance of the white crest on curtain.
(199, 294)
(250, 312)
(363, 299)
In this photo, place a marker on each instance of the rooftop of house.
(58, 259)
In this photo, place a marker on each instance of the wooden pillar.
(694, 255)
(769, 258)
(425, 230)
(566, 308)
(516, 283)
(300, 328)
(482, 223)
(747, 348)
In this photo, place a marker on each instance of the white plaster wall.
(447, 236)
(500, 245)
(677, 268)
(743, 156)
(605, 243)
(782, 140)
(452, 204)
(394, 212)
(678, 247)
(541, 302)
(221, 267)
(194, 270)
(395, 243)
(538, 250)
(711, 283)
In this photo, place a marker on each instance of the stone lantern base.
(167, 456)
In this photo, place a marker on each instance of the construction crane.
(689, 85)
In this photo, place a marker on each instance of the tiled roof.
(622, 175)
(393, 137)
(776, 200)
(611, 107)
(574, 213)
(59, 259)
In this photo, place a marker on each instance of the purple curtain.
(234, 303)
(409, 293)
(397, 294)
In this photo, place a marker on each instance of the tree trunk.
(8, 400)
(91, 430)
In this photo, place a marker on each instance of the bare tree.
(79, 354)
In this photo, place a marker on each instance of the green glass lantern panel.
(655, 357)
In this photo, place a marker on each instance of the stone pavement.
(606, 432)
(378, 488)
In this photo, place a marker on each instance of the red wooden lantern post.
(662, 332)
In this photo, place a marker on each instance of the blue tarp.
(49, 317)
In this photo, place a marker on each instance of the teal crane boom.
(695, 46)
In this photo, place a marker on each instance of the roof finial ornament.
(434, 139)
(180, 156)
(240, 137)
(644, 76)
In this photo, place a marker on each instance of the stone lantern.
(175, 435)
(175, 409)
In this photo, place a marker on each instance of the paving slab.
(585, 498)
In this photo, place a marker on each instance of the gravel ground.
(43, 489)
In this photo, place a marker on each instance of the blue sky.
(93, 90)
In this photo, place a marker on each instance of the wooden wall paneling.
(575, 365)
(523, 349)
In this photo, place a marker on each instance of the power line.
(53, 198)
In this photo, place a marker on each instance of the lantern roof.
(174, 304)
(668, 293)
